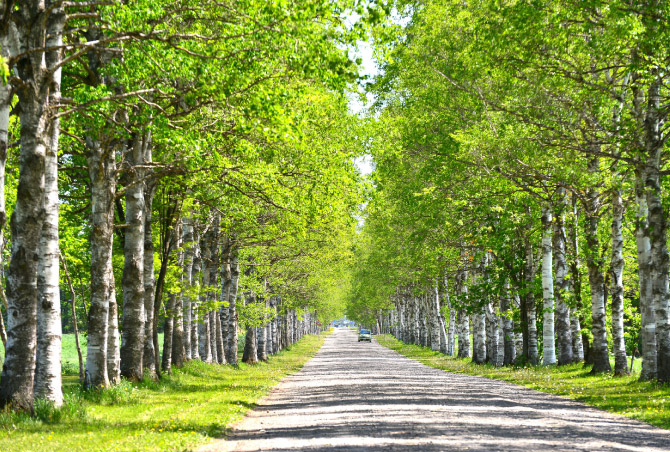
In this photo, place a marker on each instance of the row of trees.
(188, 165)
(520, 182)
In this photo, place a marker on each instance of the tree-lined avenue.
(363, 397)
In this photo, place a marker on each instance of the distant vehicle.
(364, 335)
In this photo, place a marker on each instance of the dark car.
(364, 335)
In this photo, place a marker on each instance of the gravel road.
(363, 397)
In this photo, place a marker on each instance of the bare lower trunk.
(212, 336)
(16, 385)
(102, 174)
(531, 348)
(178, 345)
(478, 337)
(195, 310)
(262, 351)
(113, 339)
(446, 334)
(148, 359)
(648, 324)
(435, 323)
(204, 344)
(463, 320)
(275, 328)
(232, 310)
(548, 338)
(188, 283)
(132, 343)
(563, 330)
(616, 281)
(654, 147)
(576, 287)
(508, 328)
(594, 262)
(48, 382)
(225, 289)
(250, 355)
(493, 352)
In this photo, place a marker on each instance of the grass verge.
(645, 401)
(183, 410)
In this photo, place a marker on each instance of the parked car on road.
(364, 335)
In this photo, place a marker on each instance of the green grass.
(645, 401)
(189, 408)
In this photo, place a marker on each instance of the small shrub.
(123, 393)
(73, 409)
(13, 420)
(74, 406)
(46, 411)
(69, 368)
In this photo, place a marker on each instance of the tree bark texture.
(132, 342)
(48, 382)
(435, 323)
(531, 349)
(195, 309)
(595, 265)
(616, 285)
(648, 322)
(654, 146)
(507, 329)
(463, 320)
(575, 286)
(149, 353)
(232, 310)
(37, 71)
(188, 283)
(563, 331)
(548, 338)
(102, 175)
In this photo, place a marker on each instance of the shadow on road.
(363, 397)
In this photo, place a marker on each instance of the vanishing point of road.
(363, 397)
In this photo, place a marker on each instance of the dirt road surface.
(363, 397)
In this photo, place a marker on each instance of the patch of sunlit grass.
(190, 407)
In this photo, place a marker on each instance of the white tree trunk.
(548, 340)
(509, 350)
(531, 347)
(648, 326)
(113, 337)
(149, 357)
(576, 287)
(188, 283)
(563, 330)
(36, 73)
(478, 336)
(101, 170)
(660, 292)
(232, 302)
(195, 309)
(48, 382)
(132, 343)
(463, 319)
(595, 264)
(435, 323)
(616, 281)
(204, 344)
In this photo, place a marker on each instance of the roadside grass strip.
(188, 408)
(645, 401)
